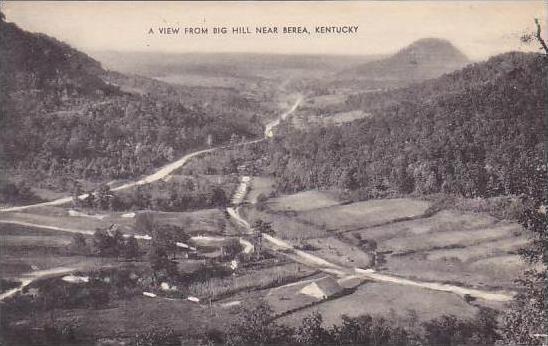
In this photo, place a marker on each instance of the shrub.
(156, 337)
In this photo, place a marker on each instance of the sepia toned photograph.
(273, 173)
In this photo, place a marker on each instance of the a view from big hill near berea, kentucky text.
(252, 199)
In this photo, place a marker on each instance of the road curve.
(462, 291)
(158, 175)
(344, 272)
(325, 266)
(166, 170)
(162, 173)
(297, 255)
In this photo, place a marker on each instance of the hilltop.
(66, 119)
(424, 59)
(37, 62)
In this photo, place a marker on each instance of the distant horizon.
(479, 29)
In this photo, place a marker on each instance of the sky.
(478, 28)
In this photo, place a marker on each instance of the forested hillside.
(65, 118)
(476, 132)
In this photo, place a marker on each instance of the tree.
(160, 263)
(311, 331)
(76, 191)
(156, 337)
(167, 237)
(108, 242)
(537, 35)
(78, 244)
(260, 227)
(218, 197)
(221, 224)
(231, 248)
(525, 322)
(131, 248)
(104, 197)
(255, 326)
(103, 243)
(450, 330)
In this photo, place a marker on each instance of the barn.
(323, 288)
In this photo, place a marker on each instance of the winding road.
(161, 173)
(275, 243)
(359, 273)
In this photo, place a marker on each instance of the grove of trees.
(477, 132)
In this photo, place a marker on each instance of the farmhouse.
(322, 289)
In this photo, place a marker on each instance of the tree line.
(65, 118)
(476, 133)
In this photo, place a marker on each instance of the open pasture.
(383, 299)
(399, 236)
(285, 225)
(336, 251)
(364, 214)
(204, 221)
(486, 273)
(303, 201)
(259, 186)
(449, 239)
(445, 220)
(249, 279)
(345, 117)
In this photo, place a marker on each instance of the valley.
(155, 198)
(320, 224)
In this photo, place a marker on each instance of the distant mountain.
(424, 59)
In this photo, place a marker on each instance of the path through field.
(53, 228)
(28, 278)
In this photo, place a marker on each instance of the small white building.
(322, 289)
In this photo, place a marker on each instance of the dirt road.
(53, 228)
(166, 170)
(277, 244)
(269, 128)
(28, 278)
(319, 263)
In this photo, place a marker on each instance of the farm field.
(250, 279)
(383, 299)
(259, 186)
(304, 120)
(394, 236)
(199, 222)
(364, 214)
(303, 201)
(404, 238)
(195, 222)
(25, 250)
